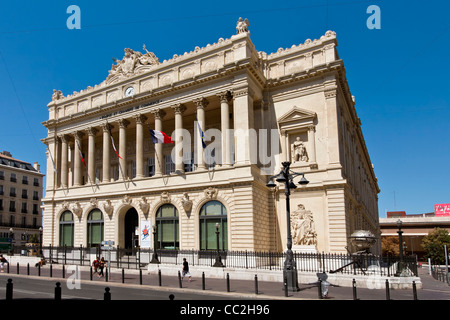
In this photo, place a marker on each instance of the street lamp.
(155, 254)
(400, 249)
(218, 262)
(11, 237)
(287, 176)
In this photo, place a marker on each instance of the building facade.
(20, 199)
(234, 115)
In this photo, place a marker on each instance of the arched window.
(167, 225)
(66, 229)
(94, 228)
(213, 213)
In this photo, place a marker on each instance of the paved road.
(33, 286)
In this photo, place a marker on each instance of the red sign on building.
(441, 210)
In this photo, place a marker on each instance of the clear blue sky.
(398, 74)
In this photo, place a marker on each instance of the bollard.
(107, 294)
(203, 280)
(320, 289)
(51, 271)
(159, 277)
(256, 284)
(140, 276)
(388, 294)
(64, 271)
(228, 282)
(354, 290)
(123, 275)
(39, 270)
(171, 296)
(285, 287)
(17, 268)
(58, 291)
(107, 275)
(414, 291)
(90, 269)
(7, 267)
(28, 269)
(9, 290)
(179, 279)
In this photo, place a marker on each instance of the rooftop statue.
(242, 25)
(132, 60)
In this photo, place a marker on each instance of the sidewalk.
(431, 289)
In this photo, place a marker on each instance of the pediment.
(297, 116)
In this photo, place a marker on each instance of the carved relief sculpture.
(211, 193)
(109, 208)
(298, 151)
(303, 227)
(77, 209)
(187, 204)
(131, 60)
(144, 205)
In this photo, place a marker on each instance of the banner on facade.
(441, 210)
(145, 233)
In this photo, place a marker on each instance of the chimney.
(37, 166)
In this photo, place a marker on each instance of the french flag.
(160, 137)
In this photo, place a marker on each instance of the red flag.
(81, 154)
(112, 141)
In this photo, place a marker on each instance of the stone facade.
(296, 97)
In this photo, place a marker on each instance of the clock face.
(129, 91)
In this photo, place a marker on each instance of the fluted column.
(123, 123)
(64, 161)
(159, 115)
(140, 120)
(201, 104)
(312, 147)
(179, 164)
(91, 153)
(225, 126)
(77, 168)
(106, 153)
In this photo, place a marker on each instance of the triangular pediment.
(297, 115)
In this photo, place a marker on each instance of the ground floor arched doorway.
(131, 223)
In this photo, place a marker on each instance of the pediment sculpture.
(131, 61)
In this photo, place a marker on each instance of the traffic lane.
(33, 288)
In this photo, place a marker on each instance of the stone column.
(106, 153)
(243, 124)
(179, 164)
(78, 166)
(91, 153)
(225, 126)
(312, 147)
(159, 115)
(64, 161)
(123, 123)
(201, 104)
(140, 120)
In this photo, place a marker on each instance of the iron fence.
(304, 262)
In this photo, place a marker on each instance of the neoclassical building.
(234, 115)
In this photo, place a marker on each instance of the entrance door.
(131, 222)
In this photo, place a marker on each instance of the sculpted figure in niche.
(298, 150)
(303, 227)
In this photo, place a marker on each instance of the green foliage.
(434, 242)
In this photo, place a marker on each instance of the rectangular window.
(151, 167)
(13, 177)
(188, 159)
(169, 166)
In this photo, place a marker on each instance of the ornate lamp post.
(218, 262)
(155, 254)
(401, 264)
(286, 176)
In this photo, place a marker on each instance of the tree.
(389, 245)
(434, 242)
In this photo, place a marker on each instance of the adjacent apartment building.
(187, 145)
(21, 186)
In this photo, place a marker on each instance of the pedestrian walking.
(185, 271)
(95, 264)
(101, 266)
(2, 262)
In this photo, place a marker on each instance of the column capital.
(78, 135)
(92, 131)
(158, 113)
(107, 126)
(178, 108)
(201, 103)
(140, 118)
(64, 138)
(123, 123)
(225, 96)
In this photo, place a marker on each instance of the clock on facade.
(129, 91)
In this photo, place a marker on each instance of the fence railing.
(441, 273)
(305, 262)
